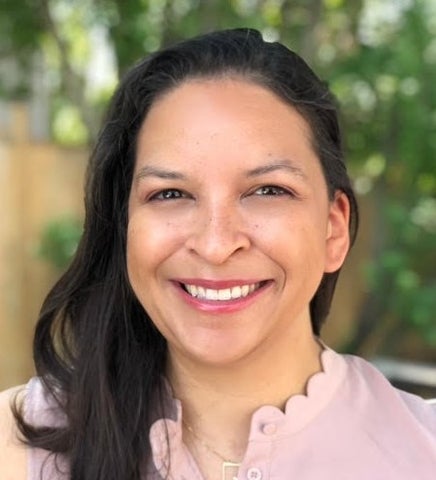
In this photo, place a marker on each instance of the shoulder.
(373, 390)
(13, 458)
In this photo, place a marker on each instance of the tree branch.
(72, 82)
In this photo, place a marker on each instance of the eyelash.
(163, 195)
(177, 194)
(274, 190)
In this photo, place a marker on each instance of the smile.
(224, 294)
(221, 296)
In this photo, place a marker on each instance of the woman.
(183, 341)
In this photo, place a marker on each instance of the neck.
(233, 392)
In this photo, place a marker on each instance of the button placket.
(269, 429)
(254, 473)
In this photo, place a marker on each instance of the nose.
(218, 234)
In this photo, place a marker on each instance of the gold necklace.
(227, 465)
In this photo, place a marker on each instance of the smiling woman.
(184, 340)
(227, 217)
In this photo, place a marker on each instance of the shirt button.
(269, 429)
(254, 474)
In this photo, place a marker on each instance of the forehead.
(234, 94)
(224, 118)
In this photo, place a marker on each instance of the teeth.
(211, 294)
(236, 292)
(223, 294)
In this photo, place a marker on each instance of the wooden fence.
(38, 182)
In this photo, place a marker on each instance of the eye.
(271, 190)
(168, 194)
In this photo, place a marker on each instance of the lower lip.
(226, 306)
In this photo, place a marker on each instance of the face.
(230, 225)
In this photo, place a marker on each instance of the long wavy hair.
(95, 348)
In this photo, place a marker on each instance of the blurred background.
(60, 61)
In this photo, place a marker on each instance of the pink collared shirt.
(351, 425)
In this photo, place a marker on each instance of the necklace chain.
(226, 463)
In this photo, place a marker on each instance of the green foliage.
(20, 31)
(67, 126)
(59, 241)
(386, 88)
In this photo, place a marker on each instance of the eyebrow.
(280, 165)
(153, 171)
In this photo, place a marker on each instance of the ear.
(338, 236)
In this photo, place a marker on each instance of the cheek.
(134, 256)
(296, 233)
(149, 242)
(298, 247)
(140, 248)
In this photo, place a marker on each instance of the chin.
(220, 354)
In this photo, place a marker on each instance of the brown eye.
(271, 190)
(168, 194)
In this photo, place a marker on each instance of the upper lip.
(218, 284)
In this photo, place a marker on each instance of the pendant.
(228, 471)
